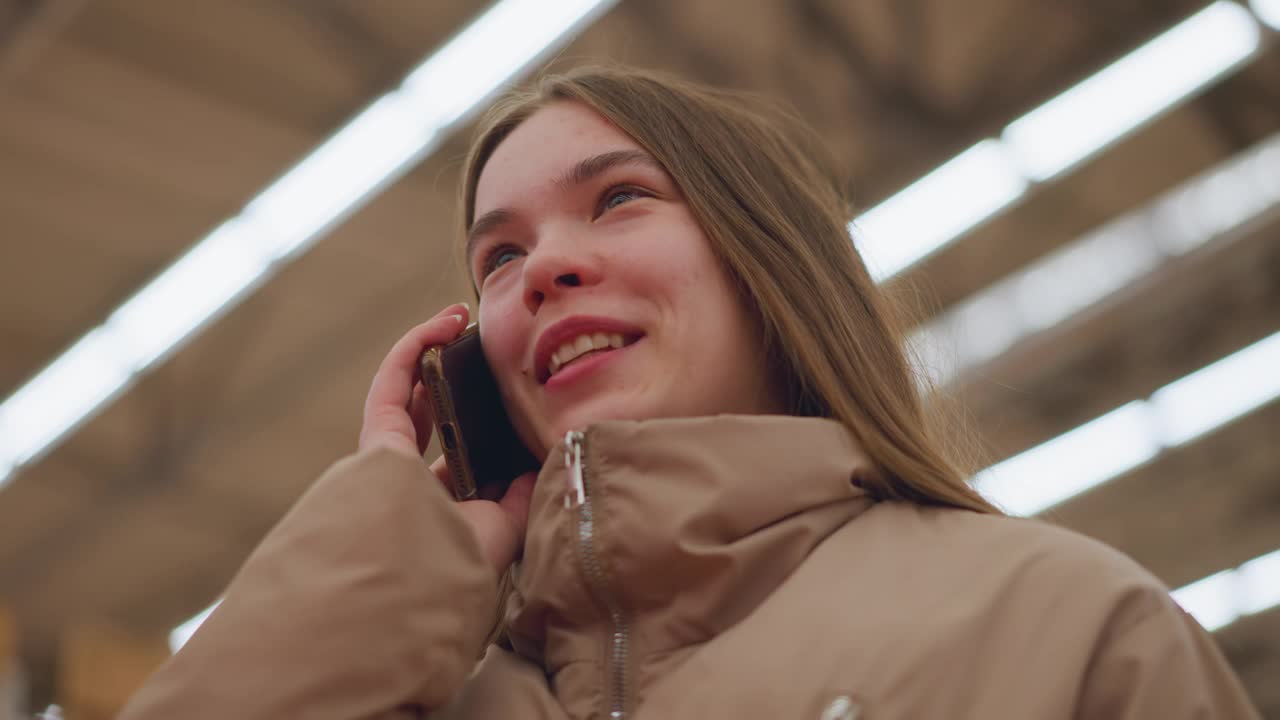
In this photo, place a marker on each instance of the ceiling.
(130, 128)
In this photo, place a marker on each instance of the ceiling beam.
(1183, 316)
(37, 25)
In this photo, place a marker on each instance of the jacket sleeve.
(1161, 664)
(370, 599)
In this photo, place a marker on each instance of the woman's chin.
(582, 417)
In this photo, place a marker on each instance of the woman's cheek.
(502, 337)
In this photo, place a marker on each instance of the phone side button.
(448, 437)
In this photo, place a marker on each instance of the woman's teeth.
(582, 345)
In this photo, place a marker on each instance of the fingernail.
(457, 318)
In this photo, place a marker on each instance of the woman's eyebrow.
(587, 169)
(582, 172)
(485, 224)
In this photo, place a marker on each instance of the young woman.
(743, 511)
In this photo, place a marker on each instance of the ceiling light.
(1109, 258)
(1071, 463)
(1133, 91)
(52, 403)
(1224, 597)
(1214, 395)
(188, 294)
(181, 634)
(937, 208)
(1268, 11)
(1078, 275)
(1080, 459)
(1210, 600)
(334, 180)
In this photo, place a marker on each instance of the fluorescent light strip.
(1102, 449)
(181, 634)
(1133, 91)
(938, 207)
(1071, 463)
(374, 149)
(1203, 400)
(1222, 598)
(1102, 262)
(1268, 11)
(1055, 137)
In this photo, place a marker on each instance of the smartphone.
(480, 446)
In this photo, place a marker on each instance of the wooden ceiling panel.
(269, 59)
(192, 131)
(33, 512)
(96, 583)
(70, 138)
(409, 31)
(108, 213)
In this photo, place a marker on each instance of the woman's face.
(600, 296)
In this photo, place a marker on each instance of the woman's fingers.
(387, 408)
(499, 526)
(441, 471)
(497, 536)
(515, 504)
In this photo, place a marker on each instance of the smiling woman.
(729, 186)
(744, 509)
(597, 239)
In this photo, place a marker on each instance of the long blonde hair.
(776, 216)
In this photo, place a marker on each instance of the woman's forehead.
(543, 149)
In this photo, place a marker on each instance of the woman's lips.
(572, 330)
(584, 366)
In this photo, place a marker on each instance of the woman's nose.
(553, 268)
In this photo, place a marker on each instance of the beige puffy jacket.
(725, 567)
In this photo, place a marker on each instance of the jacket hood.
(687, 525)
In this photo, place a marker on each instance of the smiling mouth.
(584, 346)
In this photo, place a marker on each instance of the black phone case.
(472, 421)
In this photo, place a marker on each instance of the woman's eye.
(497, 258)
(613, 197)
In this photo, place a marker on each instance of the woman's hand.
(397, 414)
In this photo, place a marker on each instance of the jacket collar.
(688, 525)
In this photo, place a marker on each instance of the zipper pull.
(575, 487)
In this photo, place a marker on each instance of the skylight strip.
(375, 148)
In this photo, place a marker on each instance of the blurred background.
(215, 218)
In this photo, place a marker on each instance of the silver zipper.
(576, 491)
(577, 496)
